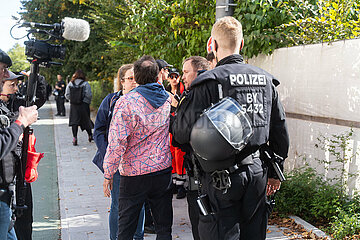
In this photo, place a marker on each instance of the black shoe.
(63, 115)
(74, 142)
(181, 192)
(58, 114)
(149, 229)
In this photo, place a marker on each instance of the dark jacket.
(9, 138)
(268, 124)
(101, 129)
(61, 84)
(11, 134)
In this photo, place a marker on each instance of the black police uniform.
(23, 223)
(240, 211)
(60, 98)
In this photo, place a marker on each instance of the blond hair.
(227, 32)
(120, 75)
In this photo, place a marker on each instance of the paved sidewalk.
(83, 208)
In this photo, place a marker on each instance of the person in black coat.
(80, 112)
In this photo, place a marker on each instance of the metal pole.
(224, 8)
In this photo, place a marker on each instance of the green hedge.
(100, 89)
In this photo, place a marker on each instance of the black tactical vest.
(254, 89)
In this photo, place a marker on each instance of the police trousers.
(241, 212)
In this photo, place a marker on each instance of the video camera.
(42, 50)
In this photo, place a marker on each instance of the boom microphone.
(70, 28)
(42, 25)
(75, 29)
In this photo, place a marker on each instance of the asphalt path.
(45, 190)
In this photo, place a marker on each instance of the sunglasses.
(173, 76)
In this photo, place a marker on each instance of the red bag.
(33, 159)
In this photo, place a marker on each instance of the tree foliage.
(332, 20)
(124, 30)
(170, 30)
(17, 55)
(271, 24)
(87, 55)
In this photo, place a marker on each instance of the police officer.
(9, 138)
(233, 186)
(60, 96)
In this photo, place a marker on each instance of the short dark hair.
(198, 63)
(145, 70)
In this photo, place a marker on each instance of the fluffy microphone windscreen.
(76, 29)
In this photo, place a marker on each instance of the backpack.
(76, 93)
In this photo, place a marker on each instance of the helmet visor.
(232, 122)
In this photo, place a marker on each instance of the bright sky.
(10, 8)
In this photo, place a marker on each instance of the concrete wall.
(320, 91)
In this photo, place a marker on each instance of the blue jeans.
(5, 217)
(114, 212)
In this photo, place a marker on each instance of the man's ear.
(241, 45)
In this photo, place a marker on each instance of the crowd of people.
(156, 139)
(200, 135)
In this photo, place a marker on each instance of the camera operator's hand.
(28, 115)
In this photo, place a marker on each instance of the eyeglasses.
(131, 78)
(173, 76)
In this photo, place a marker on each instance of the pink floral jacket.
(138, 137)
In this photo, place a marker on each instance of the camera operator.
(10, 101)
(9, 138)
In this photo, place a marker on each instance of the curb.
(310, 228)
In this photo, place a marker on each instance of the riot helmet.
(222, 131)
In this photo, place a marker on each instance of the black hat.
(4, 58)
(162, 64)
(173, 71)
